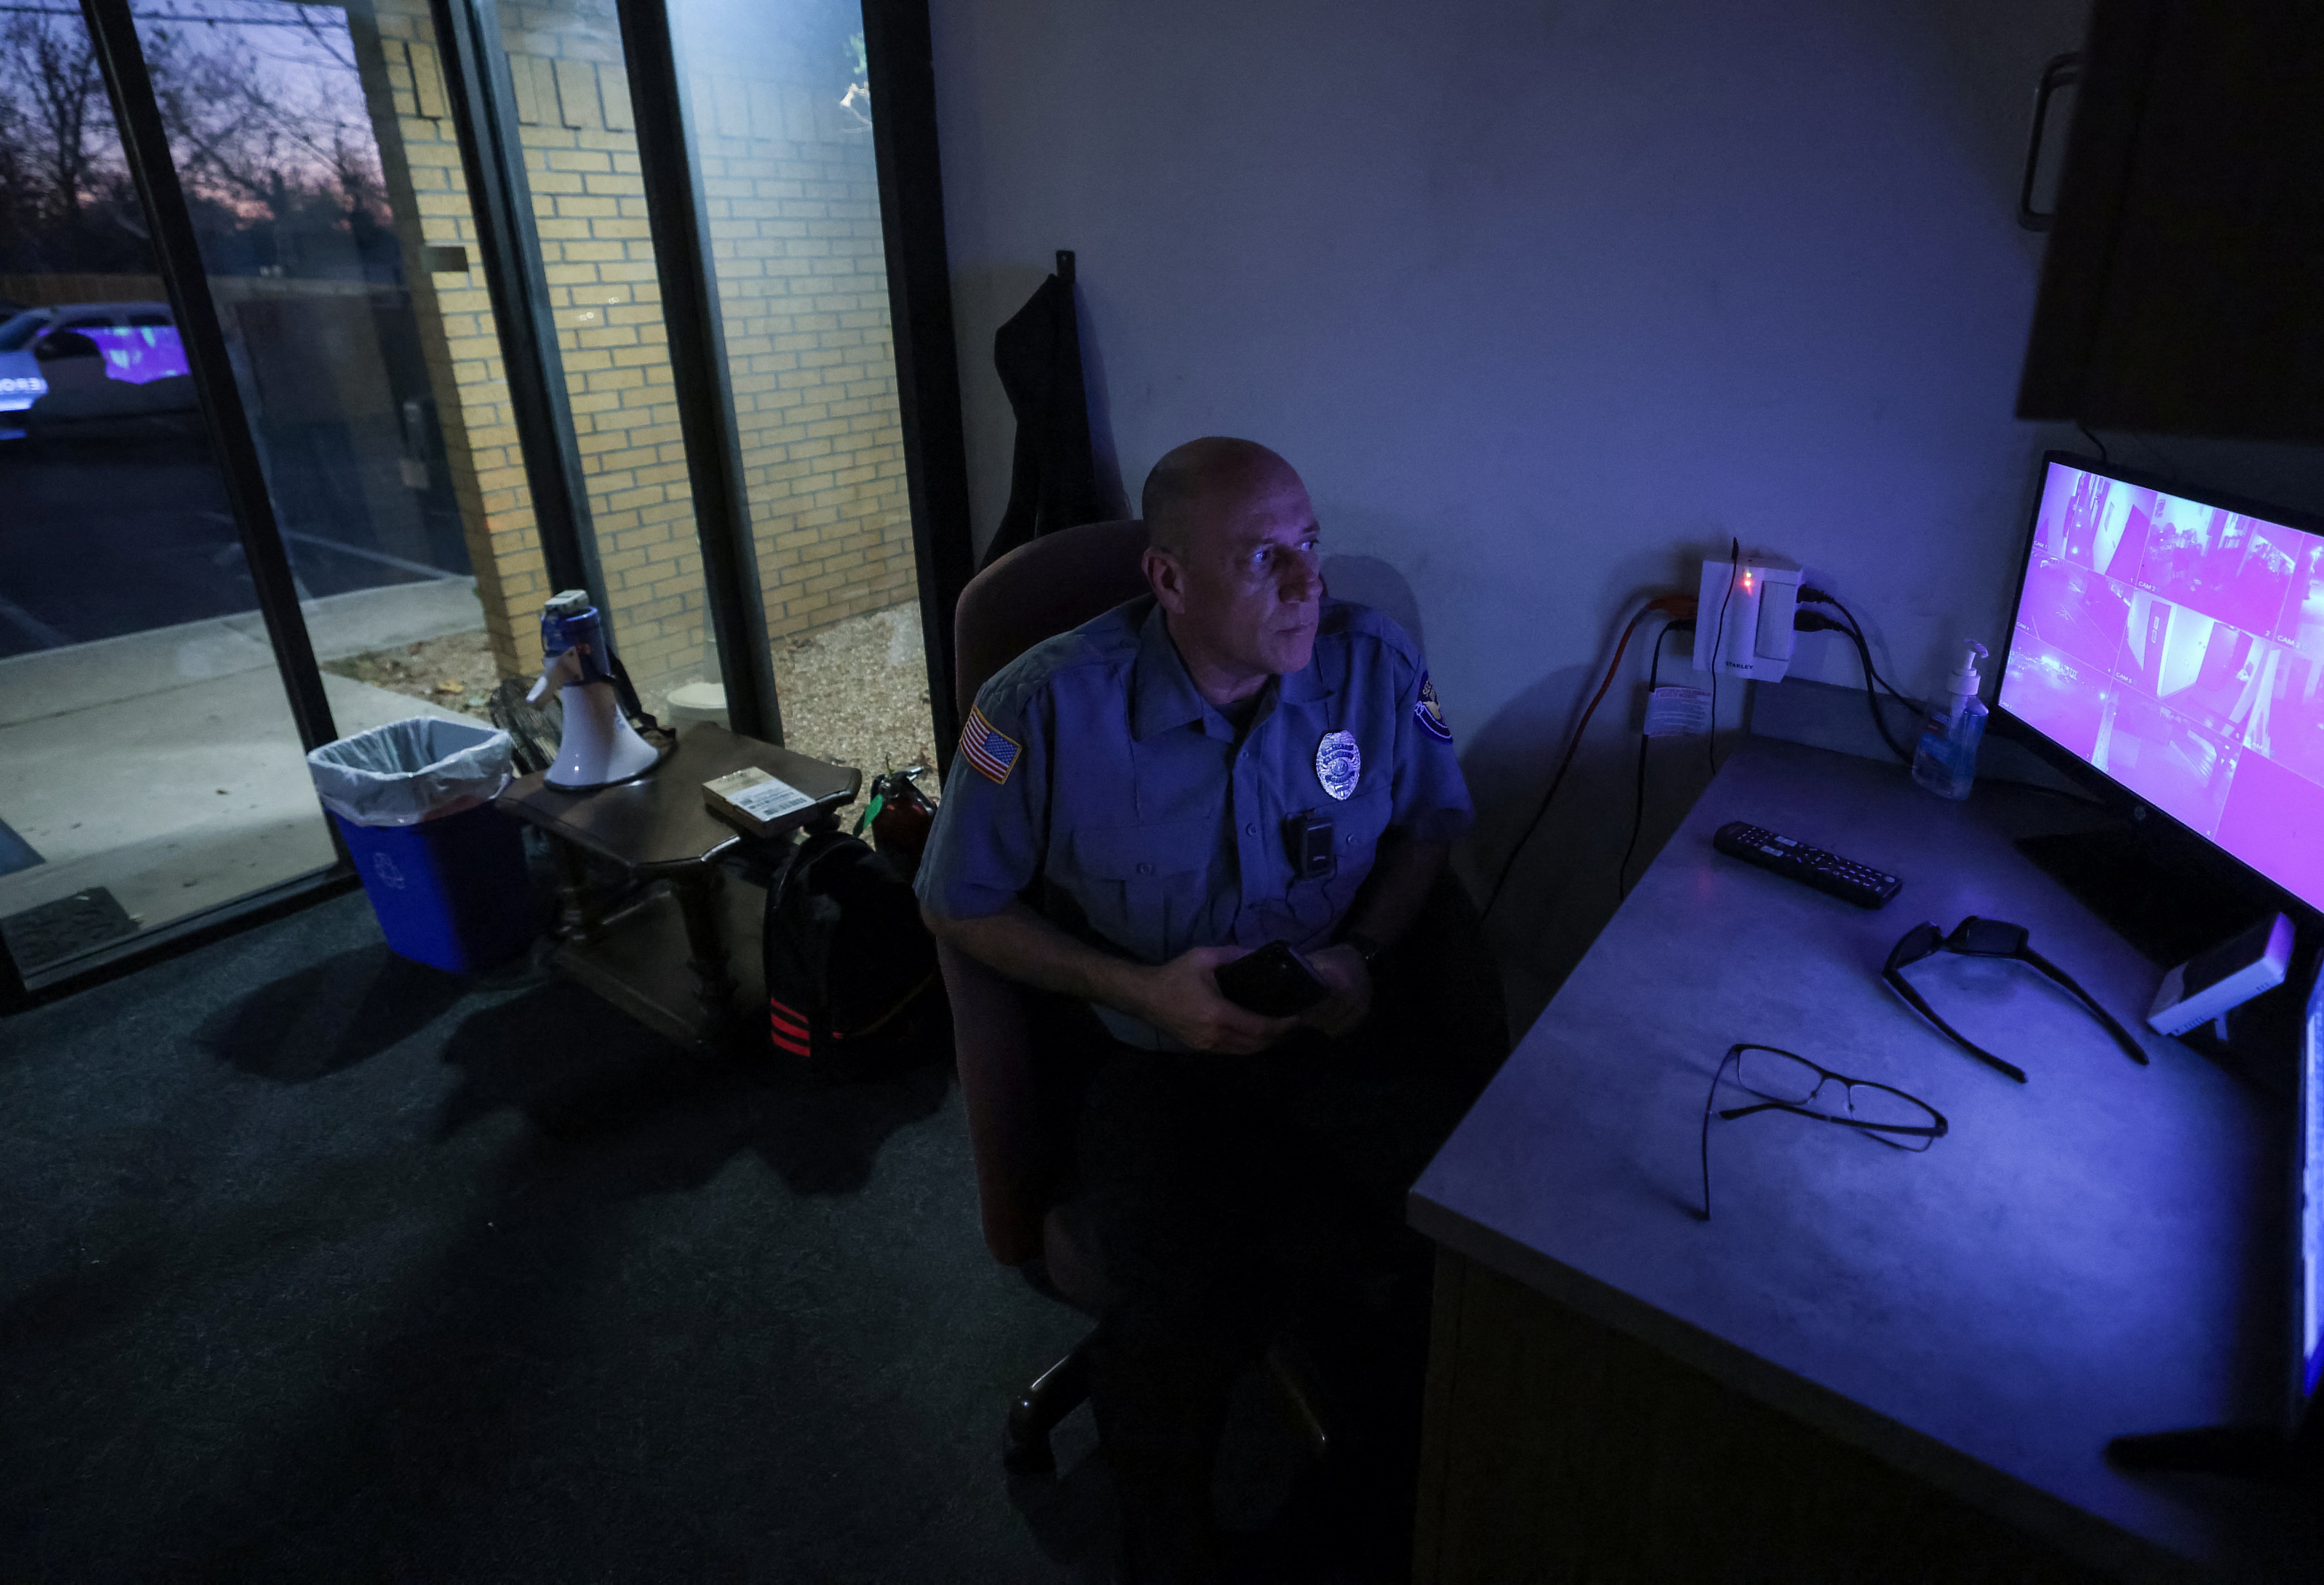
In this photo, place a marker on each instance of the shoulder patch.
(992, 751)
(1426, 711)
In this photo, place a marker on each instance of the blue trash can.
(444, 870)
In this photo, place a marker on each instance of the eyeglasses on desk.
(1784, 1081)
(1987, 938)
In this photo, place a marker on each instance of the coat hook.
(1066, 266)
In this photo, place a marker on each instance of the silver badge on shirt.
(1338, 763)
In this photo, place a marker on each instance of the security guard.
(1236, 760)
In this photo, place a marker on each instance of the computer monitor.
(2173, 642)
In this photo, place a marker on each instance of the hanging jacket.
(1053, 480)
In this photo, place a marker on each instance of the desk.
(1872, 1364)
(664, 960)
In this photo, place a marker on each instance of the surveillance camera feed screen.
(2179, 649)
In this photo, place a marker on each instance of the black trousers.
(1236, 1199)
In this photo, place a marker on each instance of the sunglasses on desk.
(1784, 1081)
(1987, 938)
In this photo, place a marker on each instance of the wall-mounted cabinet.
(2183, 290)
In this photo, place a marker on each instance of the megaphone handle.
(566, 661)
(627, 693)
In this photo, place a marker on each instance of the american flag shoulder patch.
(988, 748)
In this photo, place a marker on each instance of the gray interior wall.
(1547, 302)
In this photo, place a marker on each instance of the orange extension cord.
(1677, 608)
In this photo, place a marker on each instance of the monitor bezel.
(2303, 1417)
(2118, 797)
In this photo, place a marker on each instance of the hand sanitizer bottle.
(1946, 762)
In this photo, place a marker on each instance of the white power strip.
(2208, 986)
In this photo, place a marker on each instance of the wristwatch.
(1366, 947)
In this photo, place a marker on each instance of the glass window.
(779, 107)
(149, 764)
(307, 222)
(577, 133)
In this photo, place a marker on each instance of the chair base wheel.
(1061, 1389)
(1024, 1449)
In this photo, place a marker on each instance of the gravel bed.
(455, 671)
(855, 694)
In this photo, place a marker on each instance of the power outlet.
(1743, 620)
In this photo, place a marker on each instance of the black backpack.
(852, 985)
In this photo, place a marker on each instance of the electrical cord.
(1809, 621)
(1672, 605)
(1638, 802)
(1816, 622)
(1813, 596)
(1718, 638)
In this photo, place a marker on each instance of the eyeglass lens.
(1920, 942)
(1778, 1075)
(1987, 938)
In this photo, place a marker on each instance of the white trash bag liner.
(412, 770)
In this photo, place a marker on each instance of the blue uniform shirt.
(1093, 779)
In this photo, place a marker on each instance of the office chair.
(1021, 1135)
(1020, 1127)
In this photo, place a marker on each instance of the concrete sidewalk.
(163, 765)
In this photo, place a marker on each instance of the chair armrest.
(993, 1049)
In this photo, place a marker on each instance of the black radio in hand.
(1275, 982)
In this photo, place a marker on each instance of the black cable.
(2094, 440)
(2157, 452)
(1816, 622)
(1855, 631)
(1557, 779)
(1639, 803)
(1872, 699)
(1719, 637)
(1811, 592)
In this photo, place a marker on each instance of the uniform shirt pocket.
(1356, 829)
(1146, 887)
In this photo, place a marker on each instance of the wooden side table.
(664, 959)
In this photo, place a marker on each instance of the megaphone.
(598, 747)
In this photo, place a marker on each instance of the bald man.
(1119, 823)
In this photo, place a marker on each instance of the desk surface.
(2098, 1251)
(659, 821)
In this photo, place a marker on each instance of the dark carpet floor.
(318, 1265)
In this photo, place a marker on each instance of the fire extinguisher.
(900, 815)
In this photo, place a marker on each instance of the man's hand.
(1182, 997)
(1343, 968)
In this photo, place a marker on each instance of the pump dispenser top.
(1945, 762)
(1964, 683)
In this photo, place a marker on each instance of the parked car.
(93, 359)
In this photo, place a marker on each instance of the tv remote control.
(1844, 879)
